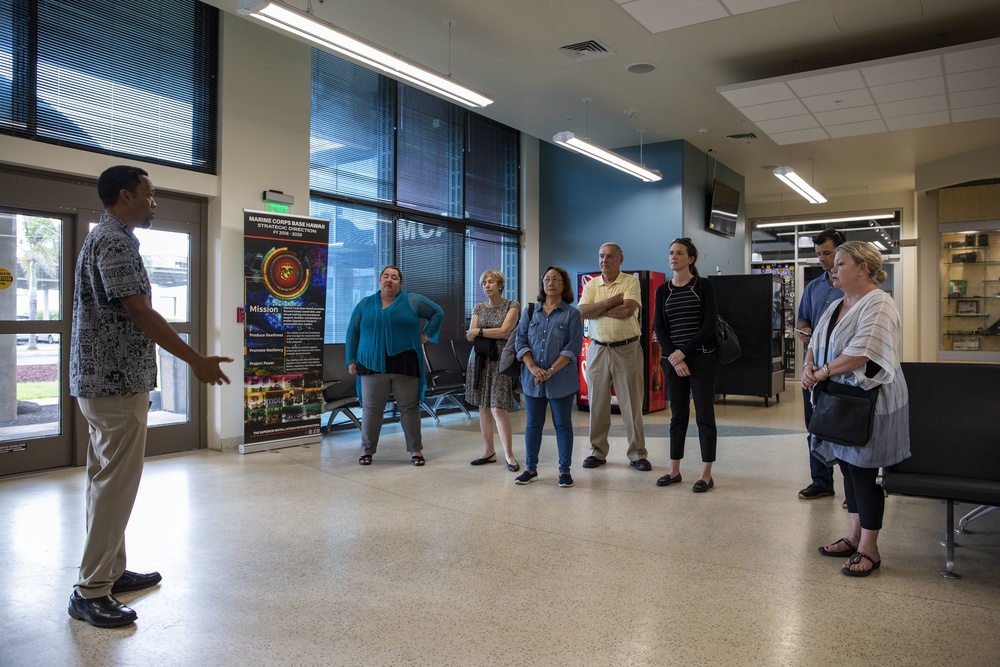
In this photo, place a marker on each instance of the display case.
(787, 273)
(970, 294)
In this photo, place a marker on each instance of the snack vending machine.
(655, 397)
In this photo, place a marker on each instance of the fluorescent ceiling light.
(574, 143)
(821, 221)
(878, 244)
(334, 39)
(795, 182)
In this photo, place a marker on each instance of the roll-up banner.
(284, 268)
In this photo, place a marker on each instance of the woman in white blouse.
(857, 343)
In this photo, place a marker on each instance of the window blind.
(135, 78)
(429, 145)
(351, 141)
(491, 173)
(432, 259)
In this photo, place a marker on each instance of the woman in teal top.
(384, 351)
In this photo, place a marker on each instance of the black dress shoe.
(667, 480)
(641, 464)
(593, 462)
(135, 581)
(701, 487)
(102, 612)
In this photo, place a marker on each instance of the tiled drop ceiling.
(950, 85)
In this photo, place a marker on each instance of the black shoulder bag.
(843, 414)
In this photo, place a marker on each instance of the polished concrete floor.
(299, 556)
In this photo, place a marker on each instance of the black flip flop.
(838, 554)
(855, 559)
(417, 460)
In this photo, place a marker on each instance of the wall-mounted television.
(724, 209)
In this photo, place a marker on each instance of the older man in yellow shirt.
(611, 302)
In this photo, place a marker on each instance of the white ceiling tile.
(752, 95)
(968, 60)
(861, 17)
(908, 90)
(904, 70)
(976, 113)
(789, 124)
(974, 98)
(747, 6)
(802, 136)
(913, 107)
(856, 129)
(842, 100)
(662, 15)
(918, 120)
(981, 78)
(844, 116)
(774, 110)
(821, 84)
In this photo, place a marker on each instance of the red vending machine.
(656, 392)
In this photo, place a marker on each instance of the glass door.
(35, 410)
(174, 414)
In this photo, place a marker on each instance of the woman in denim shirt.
(548, 343)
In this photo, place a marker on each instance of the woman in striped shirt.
(684, 319)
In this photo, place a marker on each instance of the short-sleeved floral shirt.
(109, 354)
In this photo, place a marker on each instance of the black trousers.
(864, 495)
(700, 385)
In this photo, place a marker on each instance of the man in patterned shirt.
(112, 369)
(611, 302)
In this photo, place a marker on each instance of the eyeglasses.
(552, 279)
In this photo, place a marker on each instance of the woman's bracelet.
(826, 369)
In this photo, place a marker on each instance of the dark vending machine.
(754, 307)
(656, 391)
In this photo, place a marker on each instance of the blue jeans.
(562, 419)
(822, 474)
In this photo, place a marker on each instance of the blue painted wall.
(583, 203)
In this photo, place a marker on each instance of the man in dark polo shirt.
(112, 369)
(816, 298)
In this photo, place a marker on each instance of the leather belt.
(617, 343)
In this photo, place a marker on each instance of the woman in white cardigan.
(857, 343)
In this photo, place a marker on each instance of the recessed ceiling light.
(640, 68)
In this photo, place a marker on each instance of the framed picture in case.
(965, 344)
(966, 306)
(956, 288)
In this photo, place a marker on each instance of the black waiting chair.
(445, 379)
(463, 350)
(339, 388)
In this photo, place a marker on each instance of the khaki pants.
(623, 367)
(114, 467)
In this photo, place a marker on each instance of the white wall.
(264, 138)
(264, 144)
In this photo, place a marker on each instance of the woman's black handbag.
(727, 345)
(509, 364)
(844, 414)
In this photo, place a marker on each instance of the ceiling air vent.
(588, 50)
(745, 138)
